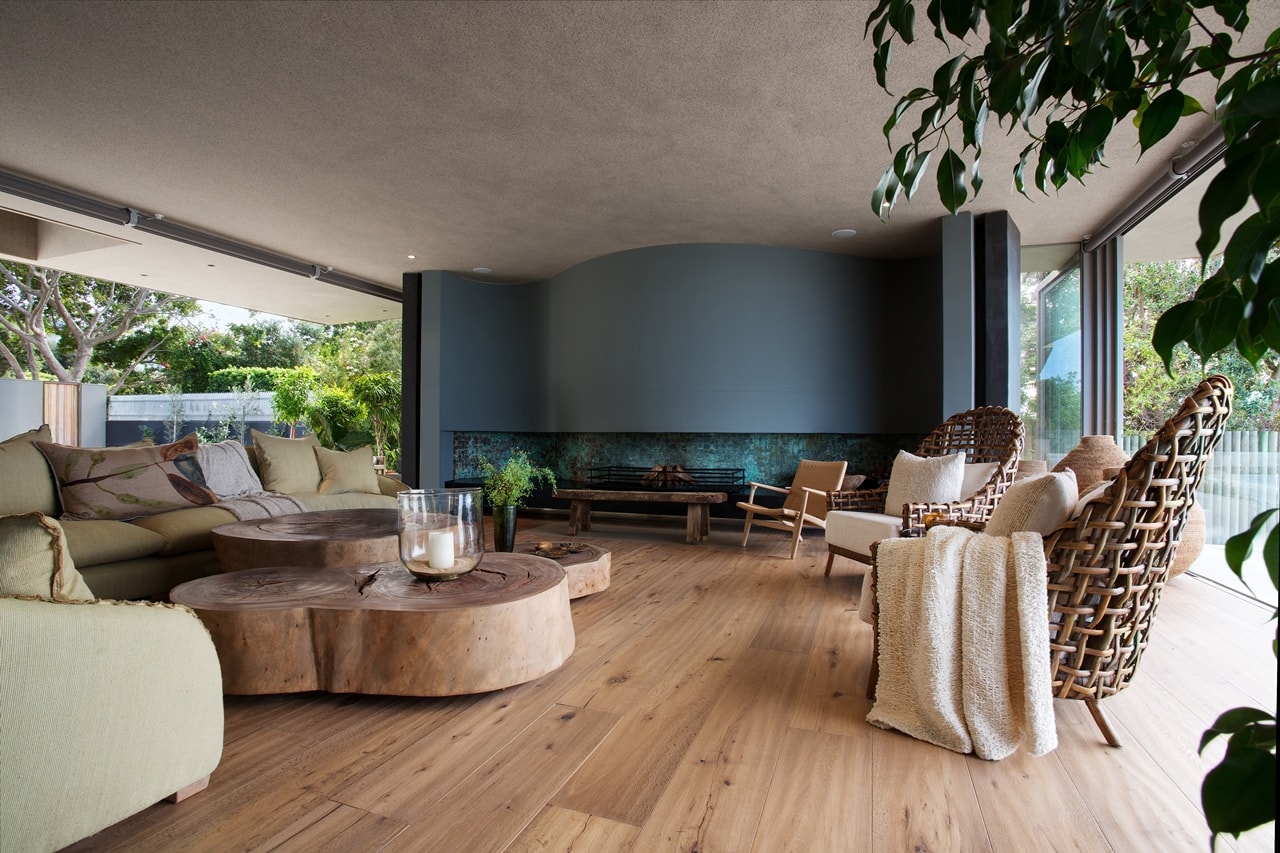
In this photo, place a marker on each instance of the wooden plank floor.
(715, 702)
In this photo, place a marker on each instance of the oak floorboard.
(565, 831)
(718, 791)
(818, 797)
(494, 804)
(664, 676)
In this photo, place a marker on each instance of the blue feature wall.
(715, 339)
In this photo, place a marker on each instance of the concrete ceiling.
(525, 137)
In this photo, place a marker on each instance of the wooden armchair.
(988, 436)
(806, 501)
(1108, 564)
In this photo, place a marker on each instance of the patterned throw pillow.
(128, 482)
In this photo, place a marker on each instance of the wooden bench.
(699, 506)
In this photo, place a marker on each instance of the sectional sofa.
(138, 520)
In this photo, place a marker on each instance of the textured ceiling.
(524, 137)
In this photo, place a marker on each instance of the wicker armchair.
(1108, 564)
(987, 434)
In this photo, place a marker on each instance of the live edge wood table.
(330, 537)
(699, 506)
(377, 629)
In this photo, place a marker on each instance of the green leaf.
(904, 21)
(976, 178)
(959, 16)
(943, 76)
(1230, 722)
(1005, 88)
(1225, 194)
(899, 108)
(1089, 39)
(1240, 546)
(951, 182)
(970, 95)
(1246, 251)
(1240, 793)
(1219, 322)
(911, 181)
(1175, 326)
(883, 193)
(1160, 117)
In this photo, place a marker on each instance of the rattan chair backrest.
(1108, 565)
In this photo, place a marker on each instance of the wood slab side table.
(329, 537)
(377, 629)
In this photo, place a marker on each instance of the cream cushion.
(924, 479)
(34, 559)
(855, 531)
(976, 475)
(343, 472)
(1037, 504)
(288, 465)
(21, 462)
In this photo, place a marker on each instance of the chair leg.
(795, 540)
(746, 528)
(831, 555)
(1104, 725)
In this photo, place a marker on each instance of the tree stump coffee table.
(330, 537)
(589, 567)
(377, 629)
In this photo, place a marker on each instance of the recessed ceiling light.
(843, 232)
(482, 270)
(412, 257)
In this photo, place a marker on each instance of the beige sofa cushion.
(351, 471)
(186, 529)
(34, 559)
(22, 462)
(287, 465)
(93, 543)
(120, 483)
(348, 500)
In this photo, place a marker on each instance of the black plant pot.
(504, 528)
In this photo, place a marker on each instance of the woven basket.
(1191, 543)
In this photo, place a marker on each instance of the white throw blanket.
(261, 505)
(964, 642)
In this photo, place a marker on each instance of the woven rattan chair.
(805, 503)
(987, 434)
(1108, 564)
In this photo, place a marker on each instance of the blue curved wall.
(717, 338)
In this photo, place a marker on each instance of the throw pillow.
(34, 559)
(121, 483)
(227, 471)
(924, 479)
(1039, 504)
(28, 484)
(288, 465)
(976, 475)
(346, 472)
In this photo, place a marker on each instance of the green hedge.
(233, 378)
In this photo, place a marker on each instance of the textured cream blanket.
(964, 642)
(262, 505)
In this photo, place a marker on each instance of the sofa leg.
(190, 790)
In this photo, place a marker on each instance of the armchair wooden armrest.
(917, 517)
(858, 500)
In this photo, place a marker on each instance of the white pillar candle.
(440, 549)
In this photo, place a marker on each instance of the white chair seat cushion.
(855, 531)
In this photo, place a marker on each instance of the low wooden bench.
(699, 506)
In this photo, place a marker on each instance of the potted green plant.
(506, 487)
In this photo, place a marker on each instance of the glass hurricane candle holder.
(441, 532)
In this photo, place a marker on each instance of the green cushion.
(288, 465)
(186, 529)
(351, 471)
(120, 483)
(22, 463)
(93, 543)
(34, 559)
